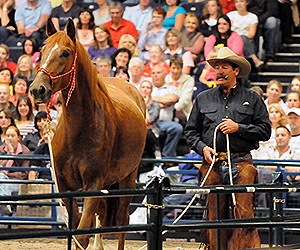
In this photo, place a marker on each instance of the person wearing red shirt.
(4, 55)
(228, 5)
(119, 26)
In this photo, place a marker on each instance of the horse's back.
(116, 86)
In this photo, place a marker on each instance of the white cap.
(294, 110)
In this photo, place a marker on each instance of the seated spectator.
(25, 68)
(4, 98)
(274, 90)
(43, 149)
(85, 28)
(266, 11)
(102, 43)
(103, 64)
(212, 11)
(293, 117)
(175, 15)
(20, 87)
(208, 75)
(156, 57)
(7, 19)
(185, 87)
(259, 91)
(61, 14)
(228, 5)
(127, 41)
(192, 39)
(12, 146)
(174, 47)
(102, 14)
(33, 139)
(140, 15)
(120, 58)
(277, 118)
(6, 77)
(118, 26)
(286, 20)
(31, 48)
(6, 120)
(245, 23)
(4, 55)
(122, 73)
(224, 37)
(154, 34)
(166, 95)
(31, 18)
(136, 67)
(24, 116)
(153, 128)
(295, 84)
(293, 99)
(43, 107)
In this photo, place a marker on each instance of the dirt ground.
(61, 244)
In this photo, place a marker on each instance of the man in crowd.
(103, 64)
(140, 15)
(118, 26)
(294, 123)
(240, 113)
(166, 96)
(136, 67)
(4, 96)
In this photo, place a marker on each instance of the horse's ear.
(71, 30)
(50, 28)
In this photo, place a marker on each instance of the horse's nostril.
(42, 90)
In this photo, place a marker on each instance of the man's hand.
(208, 154)
(228, 126)
(29, 31)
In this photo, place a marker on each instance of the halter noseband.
(71, 82)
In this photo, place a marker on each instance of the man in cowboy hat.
(240, 113)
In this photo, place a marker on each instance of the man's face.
(116, 14)
(145, 2)
(158, 76)
(282, 137)
(225, 74)
(136, 69)
(157, 18)
(3, 55)
(293, 121)
(103, 68)
(4, 93)
(156, 56)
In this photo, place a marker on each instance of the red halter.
(52, 78)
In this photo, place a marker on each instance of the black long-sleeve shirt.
(242, 105)
(263, 9)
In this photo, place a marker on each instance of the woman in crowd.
(293, 99)
(274, 90)
(4, 63)
(295, 84)
(102, 14)
(12, 146)
(122, 73)
(6, 77)
(25, 68)
(277, 118)
(33, 139)
(192, 39)
(31, 48)
(156, 57)
(208, 75)
(127, 41)
(212, 11)
(6, 120)
(154, 34)
(173, 46)
(85, 28)
(175, 15)
(24, 116)
(245, 23)
(20, 87)
(224, 37)
(102, 43)
(7, 19)
(120, 58)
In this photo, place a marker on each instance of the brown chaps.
(237, 238)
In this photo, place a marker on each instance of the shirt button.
(226, 116)
(227, 107)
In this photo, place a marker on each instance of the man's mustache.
(221, 76)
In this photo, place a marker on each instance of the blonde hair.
(191, 15)
(283, 118)
(135, 51)
(30, 62)
(277, 83)
(174, 32)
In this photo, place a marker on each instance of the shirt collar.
(19, 149)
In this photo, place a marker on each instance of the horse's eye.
(65, 54)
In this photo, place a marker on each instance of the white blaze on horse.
(101, 133)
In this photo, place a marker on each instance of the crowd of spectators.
(161, 50)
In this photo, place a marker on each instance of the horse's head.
(57, 62)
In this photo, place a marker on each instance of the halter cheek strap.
(72, 80)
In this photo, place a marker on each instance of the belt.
(224, 156)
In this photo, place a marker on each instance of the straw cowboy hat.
(227, 55)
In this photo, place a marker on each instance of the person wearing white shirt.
(293, 117)
(136, 67)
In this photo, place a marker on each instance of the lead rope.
(205, 178)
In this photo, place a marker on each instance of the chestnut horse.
(101, 133)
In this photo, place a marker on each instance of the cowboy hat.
(227, 55)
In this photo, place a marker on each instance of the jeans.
(249, 47)
(269, 32)
(173, 131)
(4, 34)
